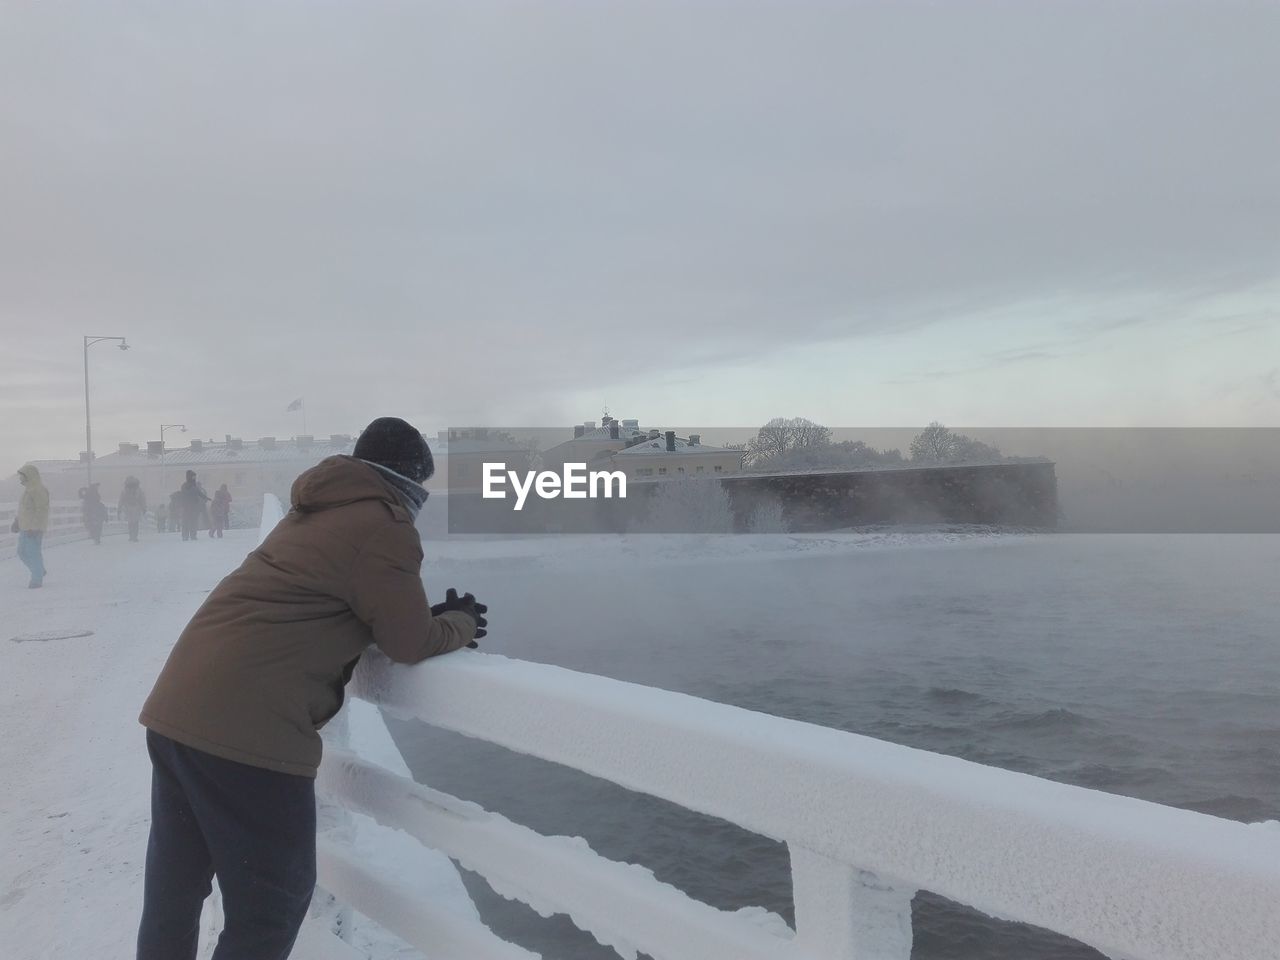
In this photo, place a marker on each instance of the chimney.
(654, 434)
(234, 443)
(305, 441)
(86, 455)
(588, 425)
(631, 424)
(267, 443)
(671, 441)
(695, 439)
(154, 448)
(578, 431)
(197, 445)
(613, 429)
(128, 449)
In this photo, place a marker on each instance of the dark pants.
(254, 829)
(133, 530)
(191, 525)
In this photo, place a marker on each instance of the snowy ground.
(75, 805)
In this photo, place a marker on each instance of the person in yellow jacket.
(31, 523)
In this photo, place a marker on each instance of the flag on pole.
(296, 405)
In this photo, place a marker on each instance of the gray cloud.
(462, 210)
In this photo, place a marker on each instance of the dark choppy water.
(1146, 666)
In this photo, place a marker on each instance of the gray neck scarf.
(412, 495)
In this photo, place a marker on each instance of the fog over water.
(1139, 665)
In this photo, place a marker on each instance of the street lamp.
(88, 432)
(163, 428)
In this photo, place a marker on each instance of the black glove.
(466, 604)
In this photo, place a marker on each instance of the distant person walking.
(93, 511)
(175, 511)
(220, 511)
(31, 523)
(162, 515)
(193, 500)
(132, 506)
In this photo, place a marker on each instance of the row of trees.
(798, 444)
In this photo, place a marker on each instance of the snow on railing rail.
(867, 822)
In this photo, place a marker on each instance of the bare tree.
(936, 444)
(781, 435)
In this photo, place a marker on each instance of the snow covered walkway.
(75, 805)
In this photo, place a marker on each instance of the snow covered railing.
(867, 823)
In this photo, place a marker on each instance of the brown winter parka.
(262, 664)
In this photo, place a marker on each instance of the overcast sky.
(990, 214)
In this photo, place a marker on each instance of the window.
(662, 470)
(644, 471)
(701, 469)
(719, 469)
(679, 469)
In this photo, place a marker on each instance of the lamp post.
(88, 431)
(163, 428)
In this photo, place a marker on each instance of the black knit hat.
(394, 444)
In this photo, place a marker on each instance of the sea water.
(1141, 665)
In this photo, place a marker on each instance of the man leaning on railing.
(233, 718)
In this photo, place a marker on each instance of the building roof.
(602, 433)
(463, 445)
(283, 451)
(658, 447)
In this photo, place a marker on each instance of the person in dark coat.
(92, 511)
(162, 515)
(175, 511)
(193, 500)
(220, 511)
(232, 722)
(132, 506)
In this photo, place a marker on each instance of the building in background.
(641, 453)
(593, 444)
(460, 456)
(661, 454)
